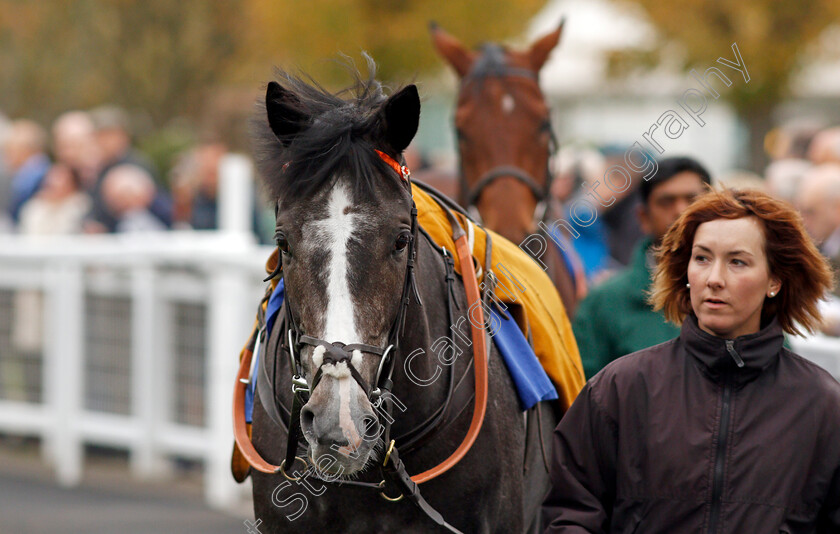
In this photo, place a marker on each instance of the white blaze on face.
(335, 232)
(508, 104)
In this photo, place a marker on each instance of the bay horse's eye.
(402, 241)
(282, 242)
(460, 136)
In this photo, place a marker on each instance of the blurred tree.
(309, 34)
(159, 56)
(773, 36)
(163, 56)
(207, 61)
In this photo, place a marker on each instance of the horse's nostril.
(338, 442)
(307, 419)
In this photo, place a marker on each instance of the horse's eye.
(282, 242)
(402, 241)
(460, 136)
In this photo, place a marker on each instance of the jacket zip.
(730, 348)
(720, 456)
(720, 453)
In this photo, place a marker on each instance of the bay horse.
(505, 140)
(351, 408)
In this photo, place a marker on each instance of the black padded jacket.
(701, 435)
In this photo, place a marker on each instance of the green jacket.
(614, 319)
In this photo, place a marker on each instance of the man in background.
(615, 319)
(818, 200)
(74, 145)
(196, 188)
(128, 192)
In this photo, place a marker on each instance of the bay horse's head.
(504, 130)
(345, 231)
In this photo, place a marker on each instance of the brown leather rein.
(240, 427)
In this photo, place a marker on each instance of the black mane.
(338, 135)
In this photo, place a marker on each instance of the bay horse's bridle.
(392, 469)
(497, 67)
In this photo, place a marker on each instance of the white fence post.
(230, 318)
(236, 190)
(146, 380)
(63, 357)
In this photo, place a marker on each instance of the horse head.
(504, 130)
(344, 227)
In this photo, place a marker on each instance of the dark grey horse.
(345, 236)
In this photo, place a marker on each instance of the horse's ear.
(452, 50)
(284, 114)
(540, 50)
(401, 117)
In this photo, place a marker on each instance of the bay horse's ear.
(284, 114)
(540, 50)
(401, 117)
(452, 50)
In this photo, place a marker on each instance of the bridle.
(497, 67)
(493, 63)
(540, 192)
(336, 352)
(392, 469)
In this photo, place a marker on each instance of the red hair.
(791, 257)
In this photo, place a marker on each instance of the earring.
(772, 294)
(688, 285)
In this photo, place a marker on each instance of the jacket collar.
(639, 274)
(738, 360)
(639, 262)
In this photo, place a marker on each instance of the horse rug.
(529, 296)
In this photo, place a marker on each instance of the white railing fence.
(131, 341)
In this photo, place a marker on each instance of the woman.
(720, 430)
(58, 207)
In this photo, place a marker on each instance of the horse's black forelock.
(340, 135)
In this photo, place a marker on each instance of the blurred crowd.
(85, 175)
(618, 249)
(804, 171)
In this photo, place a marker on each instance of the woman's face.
(729, 276)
